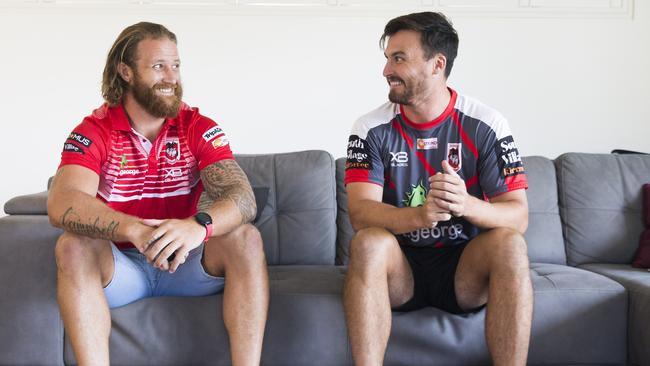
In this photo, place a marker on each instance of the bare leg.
(379, 277)
(496, 263)
(84, 266)
(239, 256)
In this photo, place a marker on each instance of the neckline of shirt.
(442, 117)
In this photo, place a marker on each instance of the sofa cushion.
(544, 234)
(296, 206)
(30, 204)
(579, 318)
(298, 223)
(637, 282)
(600, 205)
(305, 325)
(31, 332)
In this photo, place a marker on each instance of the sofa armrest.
(30, 204)
(31, 331)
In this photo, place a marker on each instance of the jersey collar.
(437, 120)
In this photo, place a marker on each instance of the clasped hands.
(159, 239)
(447, 196)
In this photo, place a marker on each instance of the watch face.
(203, 218)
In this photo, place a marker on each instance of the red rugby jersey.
(161, 184)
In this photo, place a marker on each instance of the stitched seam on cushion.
(563, 218)
(549, 280)
(275, 198)
(573, 290)
(335, 207)
(604, 209)
(305, 210)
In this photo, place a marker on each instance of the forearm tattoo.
(71, 221)
(224, 180)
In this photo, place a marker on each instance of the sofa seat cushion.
(637, 282)
(579, 318)
(305, 325)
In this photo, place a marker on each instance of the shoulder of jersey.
(476, 109)
(99, 119)
(378, 116)
(100, 113)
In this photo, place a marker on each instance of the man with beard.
(436, 194)
(127, 193)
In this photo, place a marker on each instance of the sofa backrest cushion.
(600, 205)
(298, 222)
(295, 201)
(544, 234)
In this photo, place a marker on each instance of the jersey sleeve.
(208, 142)
(85, 146)
(500, 167)
(364, 163)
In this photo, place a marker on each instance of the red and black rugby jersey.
(162, 183)
(388, 149)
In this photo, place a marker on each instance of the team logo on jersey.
(427, 144)
(85, 141)
(219, 142)
(212, 133)
(509, 158)
(454, 154)
(123, 162)
(358, 154)
(399, 159)
(172, 150)
(72, 148)
(417, 196)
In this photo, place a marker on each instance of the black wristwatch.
(206, 221)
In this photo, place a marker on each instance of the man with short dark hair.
(436, 194)
(127, 193)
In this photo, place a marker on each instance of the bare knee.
(245, 246)
(371, 247)
(508, 251)
(75, 254)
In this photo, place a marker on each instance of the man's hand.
(141, 233)
(449, 191)
(172, 236)
(432, 213)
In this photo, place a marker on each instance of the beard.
(155, 105)
(408, 95)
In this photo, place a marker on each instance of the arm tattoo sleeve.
(224, 180)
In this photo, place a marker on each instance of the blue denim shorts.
(135, 279)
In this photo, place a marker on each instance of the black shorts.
(434, 270)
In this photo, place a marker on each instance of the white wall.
(286, 82)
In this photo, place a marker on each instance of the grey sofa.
(591, 306)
